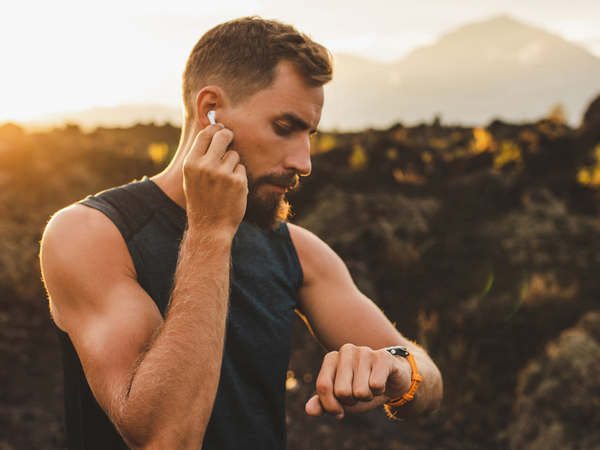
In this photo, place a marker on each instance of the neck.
(170, 180)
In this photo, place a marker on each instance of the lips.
(279, 188)
(279, 182)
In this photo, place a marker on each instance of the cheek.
(257, 149)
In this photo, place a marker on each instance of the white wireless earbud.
(211, 117)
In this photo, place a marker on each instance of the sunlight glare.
(68, 55)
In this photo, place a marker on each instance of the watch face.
(398, 351)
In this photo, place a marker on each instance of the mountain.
(499, 68)
(115, 116)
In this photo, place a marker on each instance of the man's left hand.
(357, 380)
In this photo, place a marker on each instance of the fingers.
(230, 160)
(212, 141)
(362, 388)
(378, 380)
(218, 146)
(215, 183)
(345, 375)
(210, 152)
(241, 171)
(353, 380)
(325, 385)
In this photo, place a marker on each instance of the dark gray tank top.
(249, 410)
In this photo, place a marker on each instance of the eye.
(281, 130)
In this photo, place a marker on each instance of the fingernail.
(339, 416)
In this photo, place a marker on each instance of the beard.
(266, 211)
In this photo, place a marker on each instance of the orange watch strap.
(414, 384)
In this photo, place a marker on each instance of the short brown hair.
(242, 56)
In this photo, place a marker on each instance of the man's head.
(242, 56)
(265, 81)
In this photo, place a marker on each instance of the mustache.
(287, 180)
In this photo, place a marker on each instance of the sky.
(67, 55)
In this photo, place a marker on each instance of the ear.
(208, 99)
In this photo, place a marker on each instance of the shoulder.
(307, 244)
(302, 237)
(73, 215)
(79, 226)
(80, 242)
(83, 257)
(317, 259)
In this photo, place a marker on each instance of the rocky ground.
(481, 244)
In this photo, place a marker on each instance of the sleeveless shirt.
(249, 409)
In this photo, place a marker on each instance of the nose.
(298, 158)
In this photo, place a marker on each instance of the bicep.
(92, 286)
(337, 312)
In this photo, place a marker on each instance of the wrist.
(415, 378)
(205, 224)
(198, 234)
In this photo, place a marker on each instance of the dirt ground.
(31, 409)
(31, 414)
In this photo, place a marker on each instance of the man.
(174, 297)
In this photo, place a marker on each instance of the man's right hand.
(214, 182)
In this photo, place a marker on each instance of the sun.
(69, 56)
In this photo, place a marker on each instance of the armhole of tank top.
(108, 211)
(126, 234)
(294, 255)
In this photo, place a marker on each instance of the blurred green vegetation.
(41, 173)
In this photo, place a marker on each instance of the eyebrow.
(296, 121)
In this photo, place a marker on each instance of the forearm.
(172, 390)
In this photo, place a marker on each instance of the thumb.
(314, 407)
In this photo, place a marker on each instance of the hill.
(115, 116)
(500, 68)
